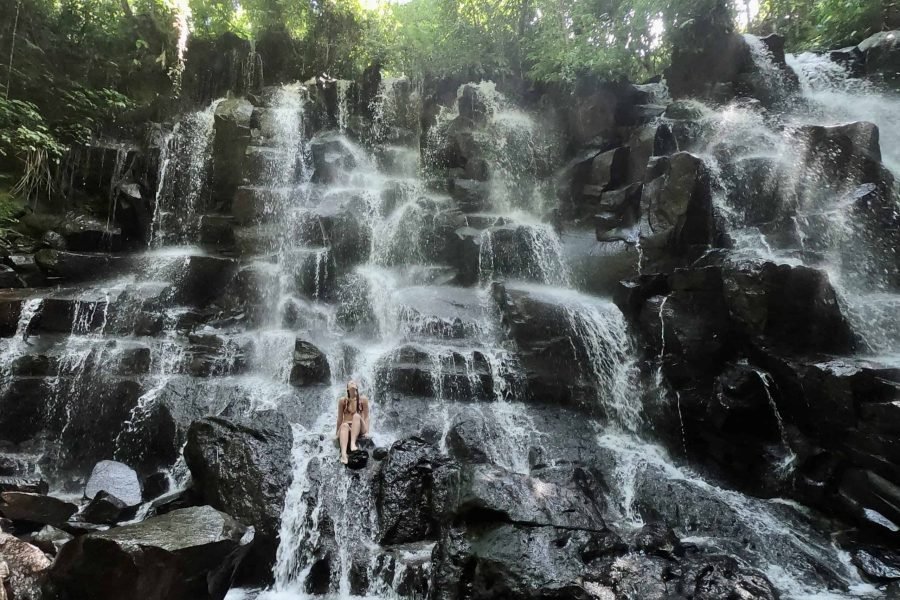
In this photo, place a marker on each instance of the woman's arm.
(365, 414)
(337, 428)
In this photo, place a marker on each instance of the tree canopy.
(68, 66)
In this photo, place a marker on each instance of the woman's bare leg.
(345, 433)
(354, 431)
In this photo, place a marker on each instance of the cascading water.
(180, 199)
(340, 246)
(783, 206)
(452, 336)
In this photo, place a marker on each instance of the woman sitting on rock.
(352, 419)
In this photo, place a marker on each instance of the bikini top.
(347, 405)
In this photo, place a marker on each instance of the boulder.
(187, 554)
(53, 240)
(202, 279)
(50, 539)
(609, 169)
(103, 509)
(9, 278)
(678, 203)
(618, 214)
(851, 58)
(405, 491)
(25, 569)
(244, 469)
(656, 538)
(878, 564)
(710, 577)
(341, 226)
(645, 142)
(754, 187)
(84, 233)
(767, 77)
(711, 54)
(155, 485)
(503, 560)
(466, 440)
(882, 55)
(715, 307)
(134, 213)
(422, 370)
(357, 459)
(233, 113)
(310, 365)
(116, 479)
(848, 155)
(35, 508)
(217, 231)
(598, 110)
(332, 158)
(470, 195)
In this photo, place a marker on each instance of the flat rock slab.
(114, 478)
(35, 508)
(187, 554)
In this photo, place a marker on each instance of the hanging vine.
(12, 49)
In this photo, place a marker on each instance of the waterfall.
(762, 177)
(180, 195)
(833, 96)
(355, 244)
(781, 541)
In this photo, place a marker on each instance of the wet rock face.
(551, 348)
(77, 267)
(491, 493)
(719, 334)
(190, 553)
(243, 468)
(678, 203)
(310, 365)
(406, 489)
(83, 233)
(793, 307)
(454, 376)
(232, 127)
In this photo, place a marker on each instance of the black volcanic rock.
(103, 509)
(405, 492)
(244, 469)
(188, 554)
(35, 508)
(79, 266)
(310, 365)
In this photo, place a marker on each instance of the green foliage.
(23, 130)
(822, 24)
(81, 63)
(544, 40)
